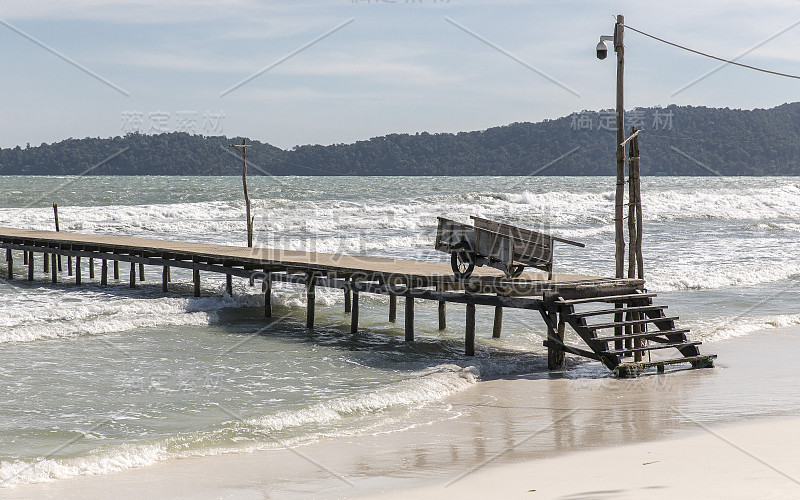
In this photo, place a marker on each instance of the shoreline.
(509, 430)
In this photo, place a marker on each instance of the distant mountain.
(676, 140)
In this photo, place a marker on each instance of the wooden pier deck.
(553, 298)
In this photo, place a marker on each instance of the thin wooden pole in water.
(46, 263)
(164, 278)
(469, 338)
(77, 270)
(347, 305)
(133, 275)
(311, 299)
(409, 324)
(104, 273)
(141, 271)
(392, 308)
(196, 280)
(116, 270)
(10, 260)
(266, 287)
(442, 315)
(497, 328)
(55, 216)
(91, 268)
(354, 314)
(30, 267)
(53, 268)
(229, 284)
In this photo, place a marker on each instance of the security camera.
(602, 50)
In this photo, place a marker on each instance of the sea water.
(99, 379)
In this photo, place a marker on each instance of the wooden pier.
(563, 300)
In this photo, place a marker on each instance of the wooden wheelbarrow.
(501, 246)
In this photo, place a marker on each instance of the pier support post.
(24, 257)
(229, 284)
(141, 271)
(46, 263)
(30, 267)
(498, 322)
(347, 302)
(196, 280)
(59, 263)
(442, 315)
(133, 275)
(116, 270)
(354, 314)
(392, 308)
(10, 260)
(164, 278)
(77, 270)
(555, 355)
(266, 287)
(54, 268)
(469, 338)
(91, 268)
(409, 326)
(69, 265)
(311, 299)
(104, 273)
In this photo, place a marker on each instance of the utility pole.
(242, 147)
(619, 236)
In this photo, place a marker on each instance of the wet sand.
(725, 432)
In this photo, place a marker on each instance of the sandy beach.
(726, 432)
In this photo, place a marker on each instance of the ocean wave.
(257, 433)
(714, 330)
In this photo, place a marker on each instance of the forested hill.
(677, 140)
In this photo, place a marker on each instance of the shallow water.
(101, 379)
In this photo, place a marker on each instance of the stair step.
(633, 369)
(653, 333)
(606, 298)
(651, 347)
(616, 310)
(629, 322)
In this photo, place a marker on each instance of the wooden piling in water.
(498, 322)
(469, 337)
(354, 314)
(116, 270)
(69, 265)
(392, 308)
(442, 315)
(25, 258)
(266, 287)
(164, 278)
(196, 280)
(53, 268)
(347, 302)
(133, 275)
(409, 323)
(229, 284)
(46, 263)
(311, 299)
(104, 273)
(141, 272)
(91, 268)
(10, 261)
(30, 267)
(77, 270)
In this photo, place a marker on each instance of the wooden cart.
(502, 246)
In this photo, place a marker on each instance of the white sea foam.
(429, 386)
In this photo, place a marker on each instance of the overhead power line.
(711, 56)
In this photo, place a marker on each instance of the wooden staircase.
(621, 331)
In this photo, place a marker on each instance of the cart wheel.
(515, 271)
(463, 263)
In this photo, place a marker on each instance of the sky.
(323, 72)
